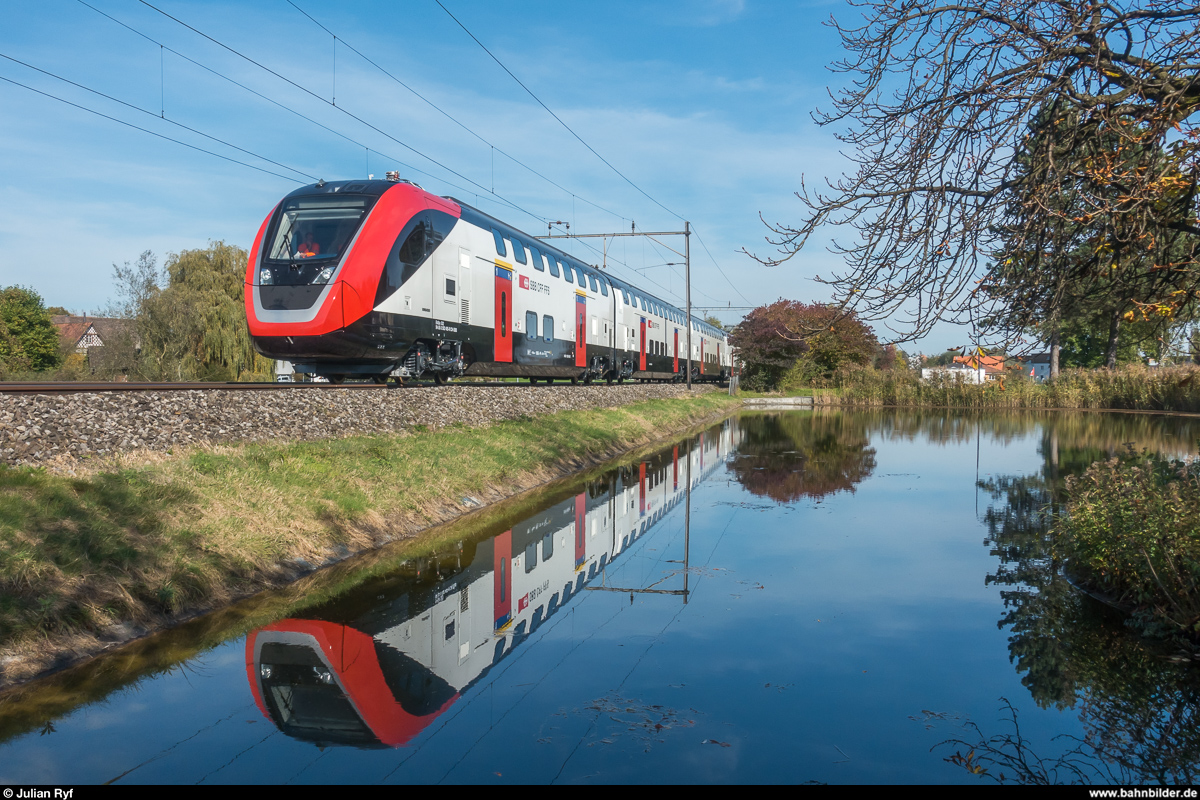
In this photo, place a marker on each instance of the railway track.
(79, 387)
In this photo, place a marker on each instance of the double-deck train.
(380, 278)
(376, 669)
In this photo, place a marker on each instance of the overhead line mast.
(686, 233)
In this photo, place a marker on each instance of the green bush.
(1132, 532)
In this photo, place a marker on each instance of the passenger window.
(531, 324)
(592, 279)
(547, 546)
(604, 288)
(519, 252)
(500, 249)
(567, 273)
(548, 327)
(450, 287)
(537, 260)
(553, 266)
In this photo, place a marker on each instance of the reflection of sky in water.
(814, 632)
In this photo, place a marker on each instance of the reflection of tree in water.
(789, 456)
(1139, 708)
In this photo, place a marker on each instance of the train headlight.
(266, 277)
(323, 276)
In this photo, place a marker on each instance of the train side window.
(604, 288)
(530, 556)
(537, 259)
(519, 251)
(450, 287)
(531, 324)
(592, 279)
(567, 273)
(553, 266)
(548, 328)
(547, 546)
(500, 249)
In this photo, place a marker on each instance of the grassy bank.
(1132, 534)
(146, 540)
(1132, 388)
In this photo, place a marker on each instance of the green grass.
(145, 543)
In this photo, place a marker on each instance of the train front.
(322, 275)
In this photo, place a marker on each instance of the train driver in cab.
(307, 246)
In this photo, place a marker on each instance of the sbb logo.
(524, 282)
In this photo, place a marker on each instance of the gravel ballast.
(48, 429)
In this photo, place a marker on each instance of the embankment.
(97, 551)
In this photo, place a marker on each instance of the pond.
(809, 596)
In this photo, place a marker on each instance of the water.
(841, 597)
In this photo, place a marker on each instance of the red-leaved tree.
(773, 339)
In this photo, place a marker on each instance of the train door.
(642, 344)
(446, 288)
(701, 355)
(502, 580)
(580, 329)
(642, 489)
(503, 346)
(676, 366)
(580, 529)
(464, 285)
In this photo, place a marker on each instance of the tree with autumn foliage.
(809, 341)
(935, 115)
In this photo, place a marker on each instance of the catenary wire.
(551, 113)
(163, 117)
(453, 119)
(353, 116)
(283, 106)
(147, 130)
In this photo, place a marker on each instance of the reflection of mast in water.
(379, 676)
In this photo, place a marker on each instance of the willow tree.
(936, 112)
(195, 327)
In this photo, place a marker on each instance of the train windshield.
(316, 228)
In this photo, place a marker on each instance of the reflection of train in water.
(378, 673)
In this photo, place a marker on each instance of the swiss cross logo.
(523, 604)
(524, 283)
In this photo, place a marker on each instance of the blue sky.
(704, 105)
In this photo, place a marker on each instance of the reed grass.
(1127, 388)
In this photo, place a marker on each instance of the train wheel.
(620, 379)
(532, 381)
(548, 381)
(337, 380)
(439, 378)
(381, 380)
(609, 379)
(574, 381)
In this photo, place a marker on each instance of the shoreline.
(336, 535)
